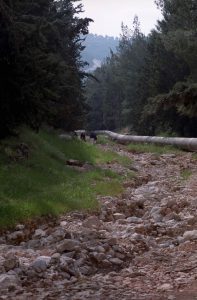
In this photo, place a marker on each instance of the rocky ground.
(140, 246)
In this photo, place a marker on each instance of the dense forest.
(40, 64)
(97, 48)
(149, 86)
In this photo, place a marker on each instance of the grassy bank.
(152, 148)
(143, 147)
(43, 184)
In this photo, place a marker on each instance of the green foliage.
(185, 174)
(43, 184)
(103, 140)
(149, 85)
(179, 30)
(110, 97)
(40, 64)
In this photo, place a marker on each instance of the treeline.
(150, 84)
(40, 64)
(97, 47)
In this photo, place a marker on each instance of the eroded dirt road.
(140, 246)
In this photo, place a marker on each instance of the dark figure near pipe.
(83, 136)
(93, 136)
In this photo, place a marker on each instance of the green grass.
(44, 184)
(166, 134)
(194, 155)
(103, 140)
(151, 148)
(185, 174)
(112, 156)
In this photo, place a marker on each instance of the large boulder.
(41, 263)
(9, 281)
(68, 245)
(92, 222)
(190, 235)
(11, 262)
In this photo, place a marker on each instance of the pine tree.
(41, 64)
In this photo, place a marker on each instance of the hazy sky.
(108, 15)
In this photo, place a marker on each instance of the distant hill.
(97, 49)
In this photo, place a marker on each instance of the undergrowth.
(143, 147)
(151, 148)
(43, 184)
(103, 140)
(185, 174)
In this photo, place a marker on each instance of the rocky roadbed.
(139, 246)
